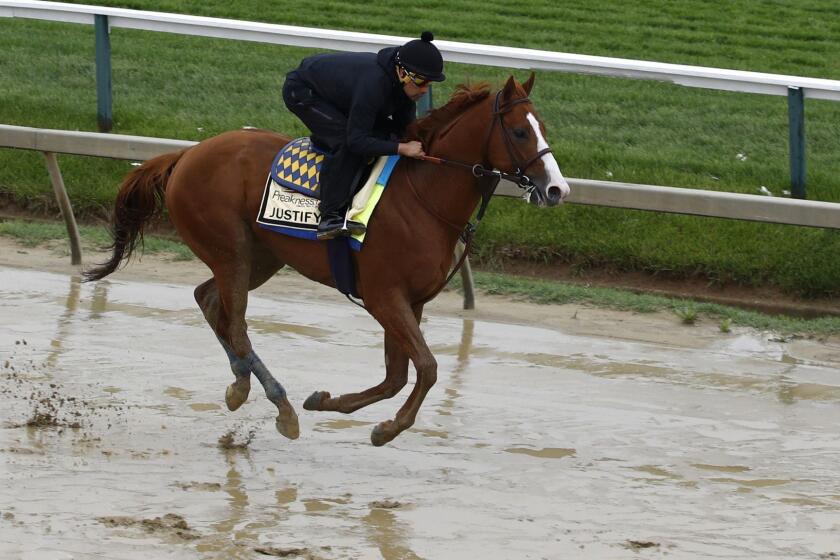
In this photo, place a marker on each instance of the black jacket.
(365, 88)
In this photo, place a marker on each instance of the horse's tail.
(140, 198)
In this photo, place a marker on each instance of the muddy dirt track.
(553, 432)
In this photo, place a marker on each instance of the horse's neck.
(465, 143)
(451, 191)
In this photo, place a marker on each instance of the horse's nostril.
(554, 193)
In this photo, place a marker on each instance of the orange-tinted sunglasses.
(416, 79)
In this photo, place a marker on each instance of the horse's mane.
(465, 96)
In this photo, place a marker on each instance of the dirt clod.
(203, 486)
(170, 523)
(639, 545)
(385, 504)
(282, 552)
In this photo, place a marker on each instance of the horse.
(213, 190)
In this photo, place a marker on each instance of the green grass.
(600, 128)
(688, 314)
(34, 234)
(548, 292)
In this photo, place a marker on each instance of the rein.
(466, 235)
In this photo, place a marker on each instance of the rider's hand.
(412, 149)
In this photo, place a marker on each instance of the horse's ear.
(529, 84)
(510, 89)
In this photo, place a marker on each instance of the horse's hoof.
(383, 433)
(287, 421)
(315, 399)
(236, 394)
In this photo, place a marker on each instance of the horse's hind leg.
(223, 299)
(207, 296)
(396, 376)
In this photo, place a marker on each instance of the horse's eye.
(520, 133)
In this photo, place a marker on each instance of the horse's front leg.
(402, 326)
(396, 376)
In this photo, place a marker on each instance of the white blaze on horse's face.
(556, 189)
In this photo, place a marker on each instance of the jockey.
(357, 106)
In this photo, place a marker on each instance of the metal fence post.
(466, 276)
(796, 122)
(104, 112)
(66, 208)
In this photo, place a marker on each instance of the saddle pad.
(298, 166)
(290, 212)
(361, 209)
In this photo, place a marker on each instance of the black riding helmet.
(421, 57)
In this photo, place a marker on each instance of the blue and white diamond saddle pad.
(290, 201)
(298, 166)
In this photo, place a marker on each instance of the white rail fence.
(600, 193)
(470, 53)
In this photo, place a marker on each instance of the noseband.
(499, 111)
(479, 170)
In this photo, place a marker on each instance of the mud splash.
(49, 404)
(237, 439)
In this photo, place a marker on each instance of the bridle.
(479, 170)
(522, 180)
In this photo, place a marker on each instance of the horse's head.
(517, 145)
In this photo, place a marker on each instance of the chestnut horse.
(213, 192)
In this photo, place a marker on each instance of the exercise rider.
(357, 106)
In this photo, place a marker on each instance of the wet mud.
(562, 432)
(171, 525)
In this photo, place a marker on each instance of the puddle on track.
(535, 442)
